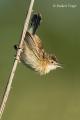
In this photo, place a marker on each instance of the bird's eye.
(52, 61)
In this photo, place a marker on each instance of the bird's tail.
(35, 22)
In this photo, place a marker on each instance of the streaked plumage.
(33, 54)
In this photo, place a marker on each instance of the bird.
(33, 54)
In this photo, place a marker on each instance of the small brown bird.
(33, 54)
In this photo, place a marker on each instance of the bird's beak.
(59, 65)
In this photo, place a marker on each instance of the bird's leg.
(16, 47)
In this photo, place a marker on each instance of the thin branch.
(8, 87)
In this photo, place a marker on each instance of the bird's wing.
(34, 43)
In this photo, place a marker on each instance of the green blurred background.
(55, 96)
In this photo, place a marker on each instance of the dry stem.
(8, 87)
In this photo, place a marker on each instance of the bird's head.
(52, 63)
